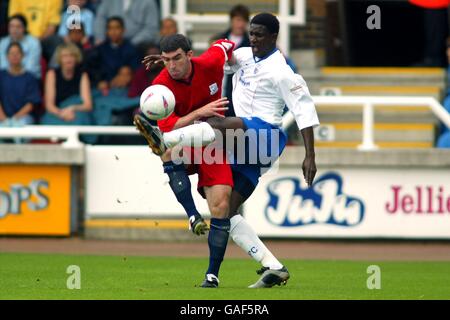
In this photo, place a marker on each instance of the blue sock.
(217, 242)
(181, 186)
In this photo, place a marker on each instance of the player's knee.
(220, 208)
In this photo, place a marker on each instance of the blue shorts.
(263, 146)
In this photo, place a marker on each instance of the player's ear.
(274, 37)
(190, 54)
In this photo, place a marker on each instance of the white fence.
(71, 133)
(368, 104)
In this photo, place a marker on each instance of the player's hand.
(213, 109)
(152, 59)
(309, 169)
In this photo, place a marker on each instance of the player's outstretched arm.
(212, 109)
(309, 163)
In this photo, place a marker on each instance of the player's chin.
(255, 50)
(175, 75)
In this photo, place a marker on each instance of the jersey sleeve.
(219, 53)
(295, 93)
(167, 124)
(239, 56)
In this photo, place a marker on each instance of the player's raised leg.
(218, 198)
(178, 179)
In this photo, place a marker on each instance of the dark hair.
(240, 11)
(268, 20)
(82, 28)
(174, 42)
(21, 18)
(118, 19)
(14, 44)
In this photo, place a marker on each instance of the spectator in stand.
(112, 65)
(69, 23)
(143, 77)
(168, 27)
(67, 90)
(3, 17)
(19, 91)
(77, 37)
(17, 32)
(43, 18)
(115, 59)
(140, 16)
(239, 18)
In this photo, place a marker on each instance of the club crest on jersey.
(213, 89)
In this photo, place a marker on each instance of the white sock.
(245, 237)
(194, 135)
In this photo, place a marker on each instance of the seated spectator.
(67, 90)
(143, 77)
(141, 18)
(116, 53)
(43, 18)
(168, 27)
(3, 17)
(17, 32)
(68, 23)
(19, 90)
(112, 65)
(239, 18)
(77, 37)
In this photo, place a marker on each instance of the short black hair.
(82, 28)
(21, 18)
(118, 19)
(240, 11)
(268, 20)
(14, 44)
(174, 42)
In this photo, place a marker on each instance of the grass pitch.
(43, 276)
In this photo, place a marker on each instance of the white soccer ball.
(157, 102)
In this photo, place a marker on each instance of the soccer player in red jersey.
(196, 83)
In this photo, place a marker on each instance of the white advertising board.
(352, 203)
(128, 181)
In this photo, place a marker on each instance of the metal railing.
(71, 133)
(185, 19)
(369, 104)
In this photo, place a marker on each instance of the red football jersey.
(203, 87)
